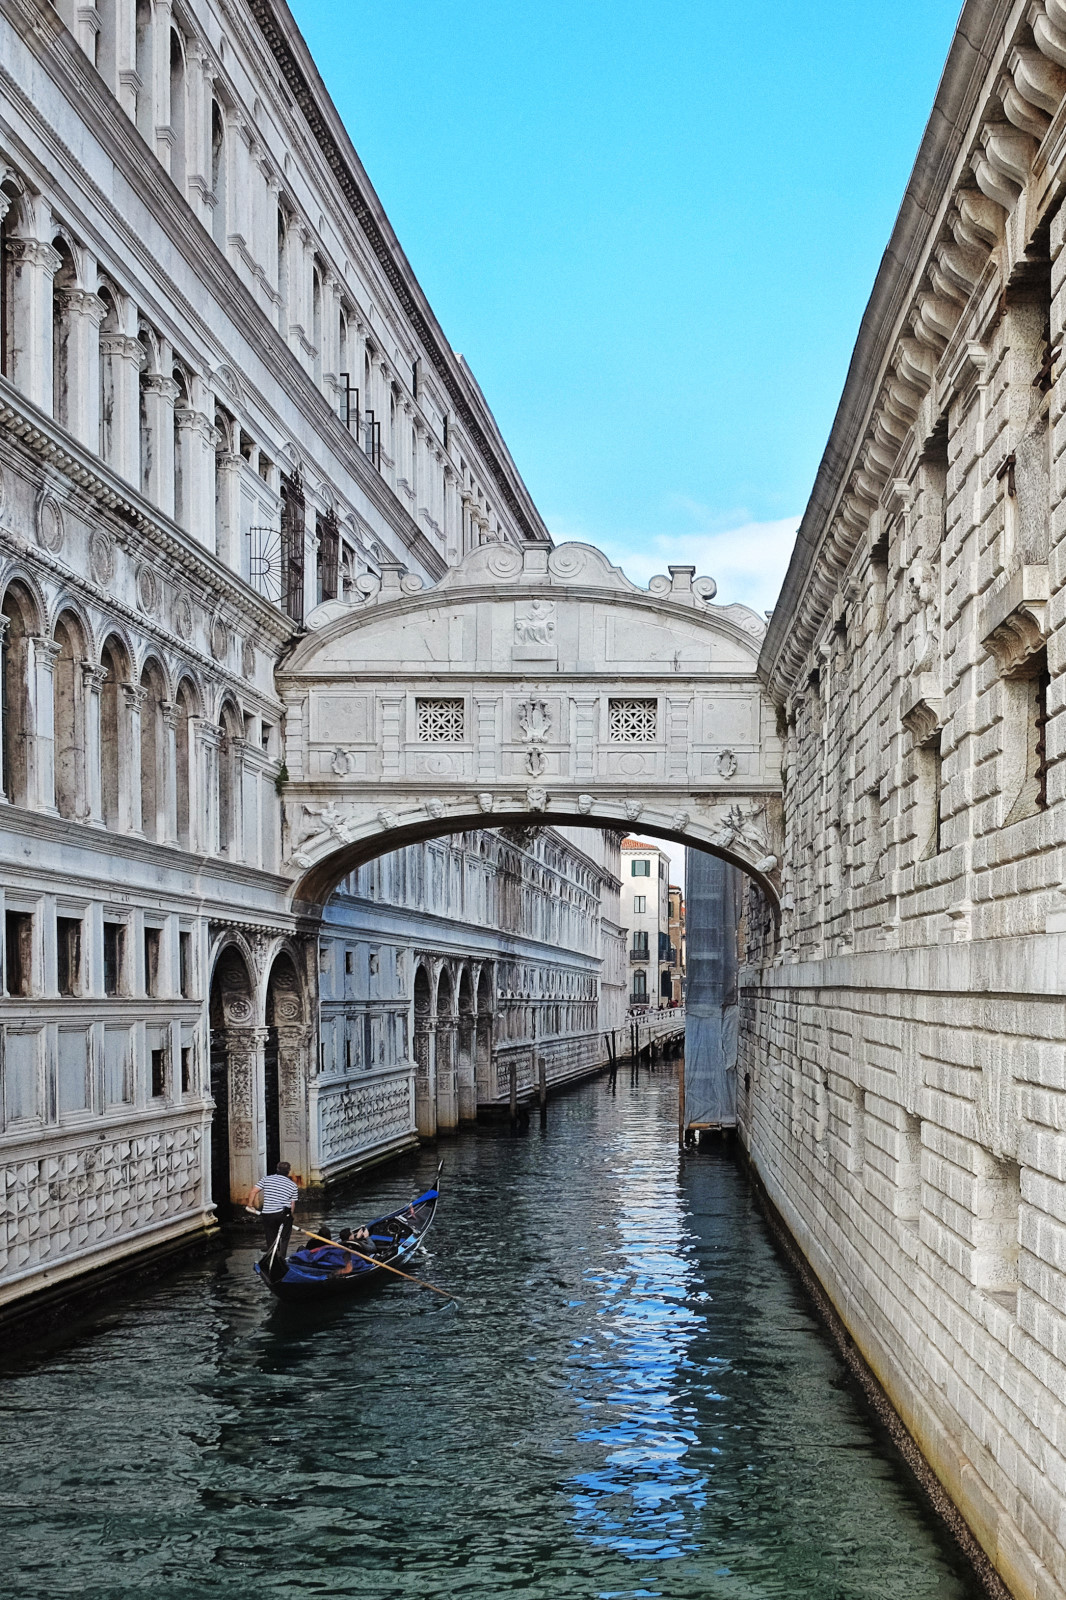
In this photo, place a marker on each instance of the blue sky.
(652, 230)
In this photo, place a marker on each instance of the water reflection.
(631, 1398)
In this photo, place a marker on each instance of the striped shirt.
(278, 1192)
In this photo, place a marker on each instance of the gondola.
(300, 1278)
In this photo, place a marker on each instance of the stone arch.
(186, 705)
(447, 1087)
(423, 1031)
(286, 1062)
(466, 1048)
(237, 1144)
(116, 702)
(20, 618)
(68, 715)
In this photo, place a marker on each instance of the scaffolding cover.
(713, 892)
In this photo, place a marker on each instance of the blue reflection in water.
(640, 1501)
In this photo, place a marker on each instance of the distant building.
(676, 936)
(645, 914)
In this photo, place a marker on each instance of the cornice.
(829, 532)
(283, 37)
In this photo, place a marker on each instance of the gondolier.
(279, 1202)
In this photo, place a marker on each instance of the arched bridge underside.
(530, 686)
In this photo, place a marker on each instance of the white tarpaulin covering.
(713, 892)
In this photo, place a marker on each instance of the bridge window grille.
(632, 721)
(440, 721)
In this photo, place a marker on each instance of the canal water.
(631, 1398)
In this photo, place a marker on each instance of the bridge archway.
(529, 687)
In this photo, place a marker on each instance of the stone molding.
(1014, 620)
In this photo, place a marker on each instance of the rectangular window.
(640, 986)
(929, 795)
(18, 952)
(329, 543)
(349, 962)
(185, 965)
(439, 721)
(159, 1074)
(640, 869)
(186, 1068)
(114, 955)
(631, 721)
(640, 903)
(68, 954)
(151, 961)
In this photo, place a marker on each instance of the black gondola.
(321, 1273)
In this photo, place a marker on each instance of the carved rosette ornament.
(49, 523)
(147, 590)
(101, 558)
(183, 618)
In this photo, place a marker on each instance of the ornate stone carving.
(726, 764)
(633, 808)
(1014, 623)
(534, 719)
(219, 639)
(739, 827)
(485, 800)
(585, 804)
(537, 799)
(183, 617)
(247, 659)
(101, 558)
(343, 763)
(434, 806)
(923, 590)
(49, 523)
(535, 761)
(536, 624)
(680, 821)
(387, 818)
(147, 590)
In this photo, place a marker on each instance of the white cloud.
(747, 562)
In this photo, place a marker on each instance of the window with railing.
(639, 992)
(361, 422)
(639, 948)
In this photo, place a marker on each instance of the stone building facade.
(646, 914)
(224, 403)
(902, 1070)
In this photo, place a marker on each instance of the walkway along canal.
(631, 1398)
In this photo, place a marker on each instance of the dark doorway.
(220, 1173)
(272, 1107)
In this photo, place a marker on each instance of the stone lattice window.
(632, 721)
(440, 721)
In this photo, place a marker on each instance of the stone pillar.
(452, 534)
(93, 679)
(197, 438)
(82, 315)
(160, 392)
(34, 264)
(425, 1077)
(486, 1079)
(245, 1048)
(466, 1069)
(134, 697)
(120, 432)
(42, 774)
(228, 510)
(198, 130)
(204, 740)
(5, 799)
(169, 773)
(160, 85)
(120, 56)
(447, 1097)
(295, 1061)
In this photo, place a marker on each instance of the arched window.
(62, 283)
(114, 804)
(68, 719)
(219, 224)
(7, 279)
(20, 614)
(153, 750)
(283, 271)
(181, 402)
(183, 708)
(177, 109)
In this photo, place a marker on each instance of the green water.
(632, 1398)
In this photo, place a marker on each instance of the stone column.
(41, 776)
(82, 315)
(245, 1068)
(134, 697)
(93, 679)
(169, 775)
(34, 264)
(228, 510)
(452, 533)
(465, 1075)
(160, 392)
(197, 438)
(120, 432)
(486, 1080)
(204, 740)
(160, 85)
(119, 56)
(425, 1077)
(295, 1056)
(447, 1098)
(5, 798)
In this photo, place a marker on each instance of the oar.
(373, 1262)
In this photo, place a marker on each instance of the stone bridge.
(530, 686)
